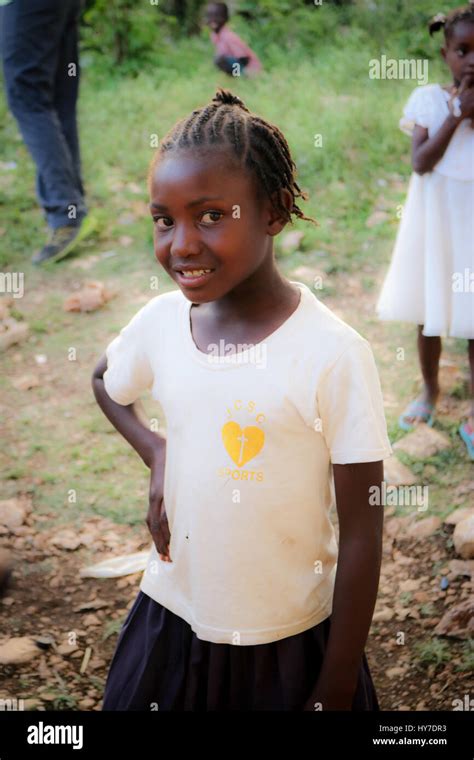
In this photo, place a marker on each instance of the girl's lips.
(193, 282)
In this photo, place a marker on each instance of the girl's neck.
(259, 295)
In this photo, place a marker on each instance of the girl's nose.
(185, 242)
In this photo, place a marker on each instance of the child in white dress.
(431, 277)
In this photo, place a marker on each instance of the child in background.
(233, 55)
(429, 281)
(246, 602)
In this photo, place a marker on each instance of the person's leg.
(470, 351)
(31, 36)
(66, 90)
(429, 352)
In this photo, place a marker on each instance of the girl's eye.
(212, 214)
(460, 52)
(165, 222)
(158, 219)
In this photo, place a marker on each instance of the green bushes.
(128, 35)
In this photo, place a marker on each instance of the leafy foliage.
(132, 34)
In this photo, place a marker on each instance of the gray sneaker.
(63, 239)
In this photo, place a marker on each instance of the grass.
(112, 628)
(467, 661)
(58, 439)
(432, 652)
(361, 146)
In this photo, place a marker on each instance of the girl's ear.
(443, 52)
(276, 222)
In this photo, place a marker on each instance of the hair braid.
(449, 21)
(258, 145)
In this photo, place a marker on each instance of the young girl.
(431, 277)
(242, 605)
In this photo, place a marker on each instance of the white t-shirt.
(428, 107)
(248, 476)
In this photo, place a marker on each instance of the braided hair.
(448, 22)
(258, 145)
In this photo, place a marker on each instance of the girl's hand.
(156, 519)
(324, 699)
(465, 96)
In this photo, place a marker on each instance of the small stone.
(397, 526)
(31, 703)
(463, 538)
(26, 382)
(460, 567)
(422, 442)
(424, 528)
(459, 514)
(396, 473)
(11, 332)
(66, 539)
(458, 621)
(395, 672)
(45, 641)
(411, 584)
(87, 703)
(48, 696)
(67, 649)
(383, 615)
(91, 620)
(12, 513)
(15, 651)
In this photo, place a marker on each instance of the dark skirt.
(160, 664)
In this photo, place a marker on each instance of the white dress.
(430, 280)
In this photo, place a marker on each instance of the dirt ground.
(76, 619)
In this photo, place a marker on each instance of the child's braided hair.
(449, 21)
(259, 146)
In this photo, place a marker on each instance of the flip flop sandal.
(467, 434)
(416, 409)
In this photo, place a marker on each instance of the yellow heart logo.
(242, 445)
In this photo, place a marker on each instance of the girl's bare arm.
(427, 151)
(151, 448)
(357, 579)
(149, 445)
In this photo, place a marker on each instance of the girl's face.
(208, 216)
(459, 52)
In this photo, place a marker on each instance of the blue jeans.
(39, 50)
